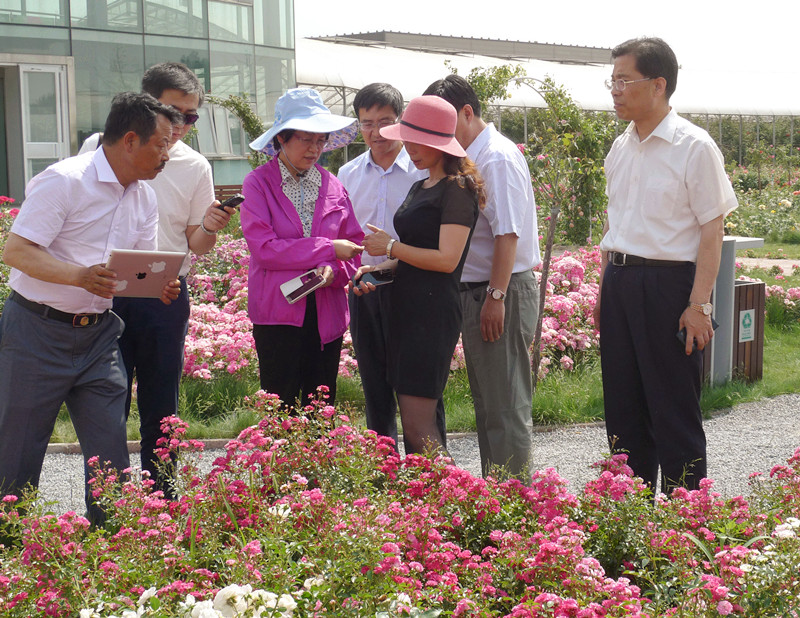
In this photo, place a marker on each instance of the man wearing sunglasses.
(188, 220)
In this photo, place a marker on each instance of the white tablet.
(143, 274)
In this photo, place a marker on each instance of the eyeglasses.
(620, 84)
(369, 125)
(319, 143)
(190, 118)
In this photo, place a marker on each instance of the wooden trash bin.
(749, 314)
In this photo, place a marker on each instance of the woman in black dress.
(434, 226)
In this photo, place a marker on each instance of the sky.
(705, 34)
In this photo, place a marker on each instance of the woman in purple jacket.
(297, 217)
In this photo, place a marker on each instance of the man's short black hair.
(654, 58)
(456, 90)
(172, 76)
(137, 112)
(379, 94)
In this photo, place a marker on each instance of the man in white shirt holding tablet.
(188, 220)
(58, 337)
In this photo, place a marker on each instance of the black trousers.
(651, 388)
(152, 349)
(369, 327)
(293, 362)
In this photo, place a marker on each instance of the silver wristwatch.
(495, 293)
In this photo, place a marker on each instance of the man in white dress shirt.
(499, 293)
(667, 196)
(378, 182)
(58, 337)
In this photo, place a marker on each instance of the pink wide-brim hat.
(428, 120)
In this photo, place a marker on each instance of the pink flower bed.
(307, 516)
(219, 340)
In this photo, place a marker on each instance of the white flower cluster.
(240, 601)
(230, 602)
(140, 610)
(768, 568)
(788, 529)
(282, 511)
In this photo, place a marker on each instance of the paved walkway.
(751, 437)
(767, 263)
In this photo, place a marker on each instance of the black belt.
(466, 286)
(78, 320)
(625, 259)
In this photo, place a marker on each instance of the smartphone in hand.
(233, 201)
(376, 277)
(681, 335)
(301, 286)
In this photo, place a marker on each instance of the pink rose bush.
(6, 201)
(568, 330)
(219, 339)
(782, 304)
(308, 516)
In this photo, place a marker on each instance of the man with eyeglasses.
(188, 220)
(667, 196)
(378, 182)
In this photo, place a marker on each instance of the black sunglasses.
(190, 118)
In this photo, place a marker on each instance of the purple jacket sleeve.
(274, 232)
(351, 230)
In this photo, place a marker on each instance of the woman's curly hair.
(466, 174)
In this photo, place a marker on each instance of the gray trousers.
(44, 363)
(500, 375)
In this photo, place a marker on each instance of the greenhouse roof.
(347, 67)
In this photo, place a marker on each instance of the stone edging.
(73, 448)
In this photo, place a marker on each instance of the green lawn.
(213, 408)
(773, 251)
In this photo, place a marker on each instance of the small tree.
(490, 83)
(565, 153)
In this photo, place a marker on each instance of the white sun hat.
(302, 109)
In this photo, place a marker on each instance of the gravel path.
(752, 437)
(767, 263)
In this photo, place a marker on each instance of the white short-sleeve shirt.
(185, 189)
(376, 193)
(663, 189)
(77, 211)
(510, 206)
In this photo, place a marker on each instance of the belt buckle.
(80, 320)
(618, 262)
